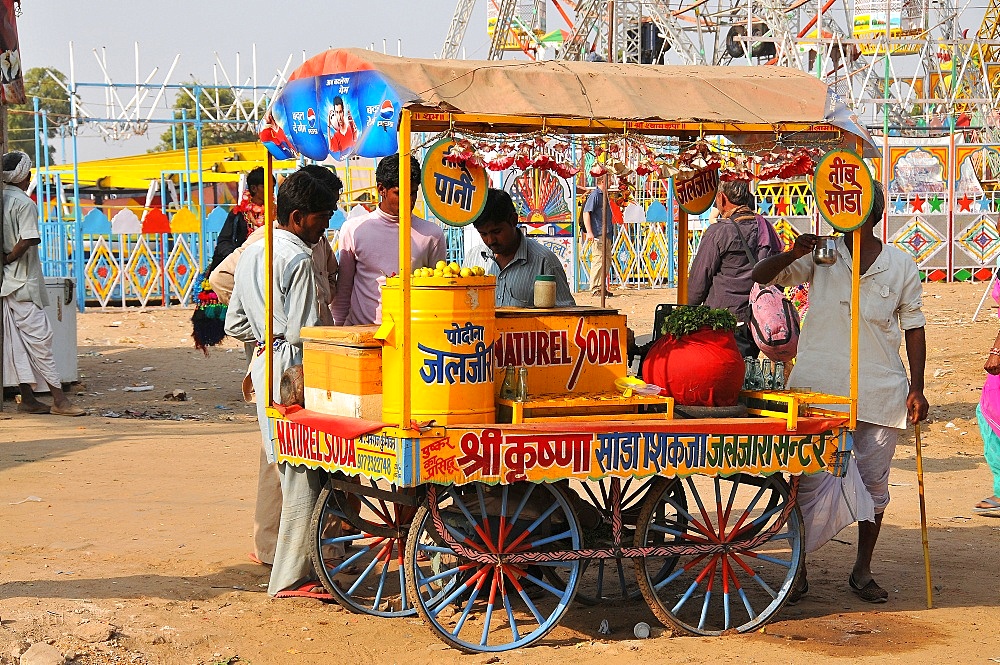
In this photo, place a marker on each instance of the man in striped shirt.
(513, 257)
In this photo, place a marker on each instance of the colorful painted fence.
(938, 210)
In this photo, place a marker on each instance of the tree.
(52, 98)
(218, 110)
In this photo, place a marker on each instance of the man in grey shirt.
(514, 258)
(720, 273)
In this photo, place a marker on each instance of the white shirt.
(890, 303)
(294, 292)
(22, 279)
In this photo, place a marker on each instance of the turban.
(20, 172)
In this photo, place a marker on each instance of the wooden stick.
(923, 518)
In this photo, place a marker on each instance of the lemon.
(454, 266)
(478, 271)
(440, 265)
(465, 272)
(447, 272)
(438, 273)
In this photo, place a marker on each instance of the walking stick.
(923, 518)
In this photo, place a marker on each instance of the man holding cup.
(887, 401)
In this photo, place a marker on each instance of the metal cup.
(825, 252)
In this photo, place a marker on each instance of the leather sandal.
(797, 593)
(870, 593)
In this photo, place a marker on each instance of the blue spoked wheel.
(358, 551)
(492, 605)
(742, 546)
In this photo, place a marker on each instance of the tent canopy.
(221, 163)
(585, 97)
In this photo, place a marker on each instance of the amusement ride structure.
(924, 77)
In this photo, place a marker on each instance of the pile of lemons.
(445, 269)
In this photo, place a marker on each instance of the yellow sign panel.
(696, 194)
(455, 194)
(844, 189)
(563, 354)
(507, 454)
(495, 455)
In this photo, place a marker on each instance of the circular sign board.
(455, 194)
(844, 189)
(696, 194)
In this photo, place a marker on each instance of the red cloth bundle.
(700, 369)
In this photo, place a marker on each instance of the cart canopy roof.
(346, 102)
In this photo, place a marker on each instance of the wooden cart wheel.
(491, 606)
(745, 545)
(356, 560)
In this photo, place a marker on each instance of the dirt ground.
(124, 534)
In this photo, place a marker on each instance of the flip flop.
(72, 411)
(253, 557)
(993, 508)
(307, 590)
(40, 408)
(870, 593)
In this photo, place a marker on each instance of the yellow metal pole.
(405, 213)
(682, 256)
(269, 280)
(855, 323)
(923, 519)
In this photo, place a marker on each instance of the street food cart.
(480, 510)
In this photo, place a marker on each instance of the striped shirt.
(516, 282)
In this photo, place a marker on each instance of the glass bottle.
(767, 374)
(522, 385)
(748, 367)
(507, 389)
(758, 376)
(779, 375)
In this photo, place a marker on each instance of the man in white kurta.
(305, 204)
(887, 400)
(28, 361)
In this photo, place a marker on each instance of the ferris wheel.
(894, 62)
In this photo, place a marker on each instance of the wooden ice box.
(343, 371)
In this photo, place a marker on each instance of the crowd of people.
(312, 286)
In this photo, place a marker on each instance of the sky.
(197, 30)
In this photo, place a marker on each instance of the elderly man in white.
(27, 345)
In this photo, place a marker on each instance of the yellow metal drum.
(453, 327)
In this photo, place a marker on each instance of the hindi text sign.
(455, 194)
(696, 193)
(844, 189)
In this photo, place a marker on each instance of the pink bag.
(774, 324)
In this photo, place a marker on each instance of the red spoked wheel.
(458, 571)
(724, 559)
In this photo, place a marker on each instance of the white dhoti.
(27, 346)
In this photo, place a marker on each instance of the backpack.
(773, 320)
(774, 324)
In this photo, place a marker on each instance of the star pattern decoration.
(936, 202)
(983, 204)
(782, 207)
(800, 206)
(965, 203)
(899, 205)
(917, 203)
(765, 207)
